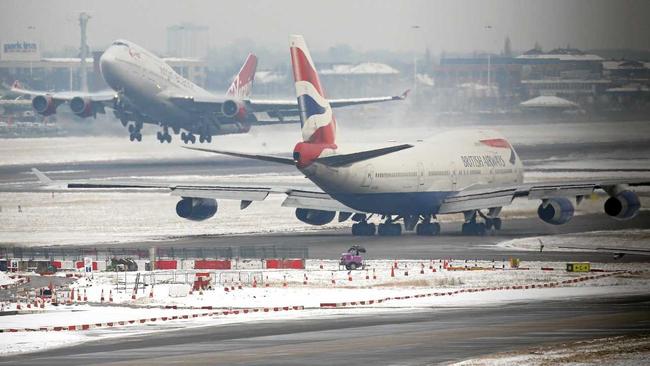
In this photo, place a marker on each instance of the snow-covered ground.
(614, 351)
(319, 289)
(619, 239)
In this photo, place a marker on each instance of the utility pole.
(489, 65)
(83, 50)
(415, 64)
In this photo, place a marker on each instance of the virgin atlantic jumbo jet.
(145, 89)
(474, 172)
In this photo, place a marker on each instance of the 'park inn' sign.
(20, 51)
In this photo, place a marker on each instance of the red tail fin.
(242, 86)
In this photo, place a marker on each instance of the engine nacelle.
(556, 211)
(315, 217)
(82, 107)
(44, 105)
(623, 206)
(196, 209)
(234, 109)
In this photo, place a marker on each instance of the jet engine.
(44, 105)
(196, 209)
(623, 206)
(234, 109)
(82, 107)
(314, 217)
(556, 211)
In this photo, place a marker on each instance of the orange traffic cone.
(374, 276)
(110, 296)
(151, 293)
(101, 299)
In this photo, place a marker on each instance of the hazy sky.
(456, 25)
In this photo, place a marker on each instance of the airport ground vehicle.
(353, 258)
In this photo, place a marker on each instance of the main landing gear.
(205, 138)
(188, 137)
(164, 136)
(364, 228)
(490, 222)
(390, 227)
(426, 227)
(135, 133)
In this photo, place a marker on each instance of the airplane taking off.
(474, 172)
(147, 90)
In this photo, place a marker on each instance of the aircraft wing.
(298, 198)
(273, 109)
(66, 96)
(291, 105)
(477, 197)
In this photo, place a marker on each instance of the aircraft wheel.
(138, 137)
(201, 139)
(208, 138)
(131, 137)
(168, 138)
(192, 138)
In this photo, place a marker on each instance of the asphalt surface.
(418, 337)
(329, 244)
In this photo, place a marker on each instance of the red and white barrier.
(471, 290)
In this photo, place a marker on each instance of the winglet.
(42, 178)
(405, 94)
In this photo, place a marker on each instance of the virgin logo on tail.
(242, 86)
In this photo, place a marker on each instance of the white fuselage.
(416, 180)
(145, 81)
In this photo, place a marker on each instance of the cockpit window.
(119, 43)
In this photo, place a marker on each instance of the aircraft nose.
(106, 60)
(108, 68)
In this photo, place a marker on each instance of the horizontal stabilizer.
(346, 159)
(271, 158)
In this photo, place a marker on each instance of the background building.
(188, 40)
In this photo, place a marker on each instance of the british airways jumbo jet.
(474, 172)
(145, 89)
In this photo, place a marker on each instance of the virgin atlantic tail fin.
(242, 86)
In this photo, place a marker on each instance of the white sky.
(457, 25)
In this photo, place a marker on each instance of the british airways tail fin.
(242, 86)
(316, 118)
